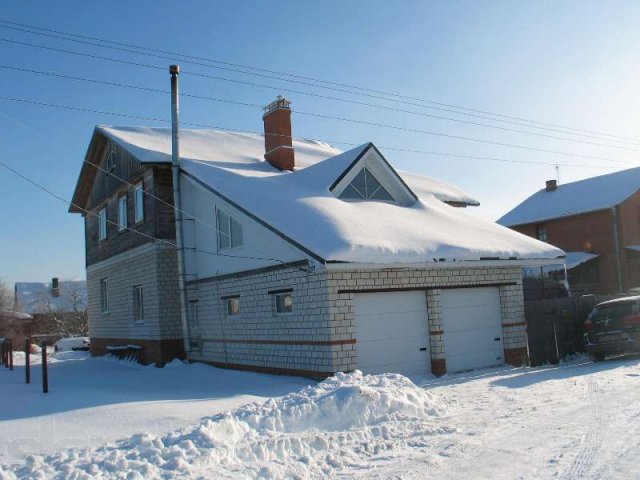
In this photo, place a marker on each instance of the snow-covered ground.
(576, 420)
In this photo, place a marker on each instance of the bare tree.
(63, 314)
(6, 299)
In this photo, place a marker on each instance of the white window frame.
(225, 228)
(193, 325)
(102, 223)
(229, 305)
(138, 304)
(122, 213)
(138, 202)
(277, 304)
(104, 295)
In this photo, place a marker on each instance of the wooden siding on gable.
(105, 191)
(125, 166)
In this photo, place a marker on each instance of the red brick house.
(596, 221)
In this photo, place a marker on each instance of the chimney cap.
(279, 102)
(551, 185)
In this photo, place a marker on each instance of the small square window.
(284, 302)
(233, 306)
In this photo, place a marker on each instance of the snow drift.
(336, 423)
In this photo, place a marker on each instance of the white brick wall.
(323, 312)
(153, 266)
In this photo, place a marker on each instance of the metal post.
(45, 375)
(27, 361)
(177, 198)
(11, 355)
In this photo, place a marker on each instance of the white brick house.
(317, 261)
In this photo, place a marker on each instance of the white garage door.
(472, 324)
(392, 332)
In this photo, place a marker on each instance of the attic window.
(365, 186)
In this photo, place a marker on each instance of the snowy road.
(579, 420)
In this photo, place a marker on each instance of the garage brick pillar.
(436, 333)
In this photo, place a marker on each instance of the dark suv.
(613, 327)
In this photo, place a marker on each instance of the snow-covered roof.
(635, 248)
(244, 154)
(37, 297)
(14, 315)
(301, 206)
(589, 195)
(578, 258)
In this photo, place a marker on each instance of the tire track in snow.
(592, 439)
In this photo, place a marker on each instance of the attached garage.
(472, 324)
(392, 333)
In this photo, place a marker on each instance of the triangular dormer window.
(370, 177)
(365, 186)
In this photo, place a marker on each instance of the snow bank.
(340, 422)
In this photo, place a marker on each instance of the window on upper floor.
(229, 231)
(541, 233)
(122, 212)
(138, 202)
(102, 223)
(365, 186)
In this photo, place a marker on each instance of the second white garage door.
(472, 323)
(392, 332)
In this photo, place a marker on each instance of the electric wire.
(215, 99)
(391, 148)
(573, 131)
(146, 235)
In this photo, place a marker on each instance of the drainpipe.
(616, 240)
(177, 200)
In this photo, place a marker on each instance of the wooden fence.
(555, 326)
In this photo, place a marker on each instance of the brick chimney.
(552, 185)
(55, 287)
(278, 145)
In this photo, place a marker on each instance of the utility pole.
(177, 199)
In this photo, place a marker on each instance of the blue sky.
(573, 63)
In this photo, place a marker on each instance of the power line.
(152, 52)
(203, 97)
(343, 119)
(392, 148)
(146, 235)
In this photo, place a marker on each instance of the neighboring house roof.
(301, 205)
(37, 297)
(590, 195)
(578, 258)
(8, 314)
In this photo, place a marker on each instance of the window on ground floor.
(104, 295)
(138, 303)
(283, 302)
(233, 306)
(194, 328)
